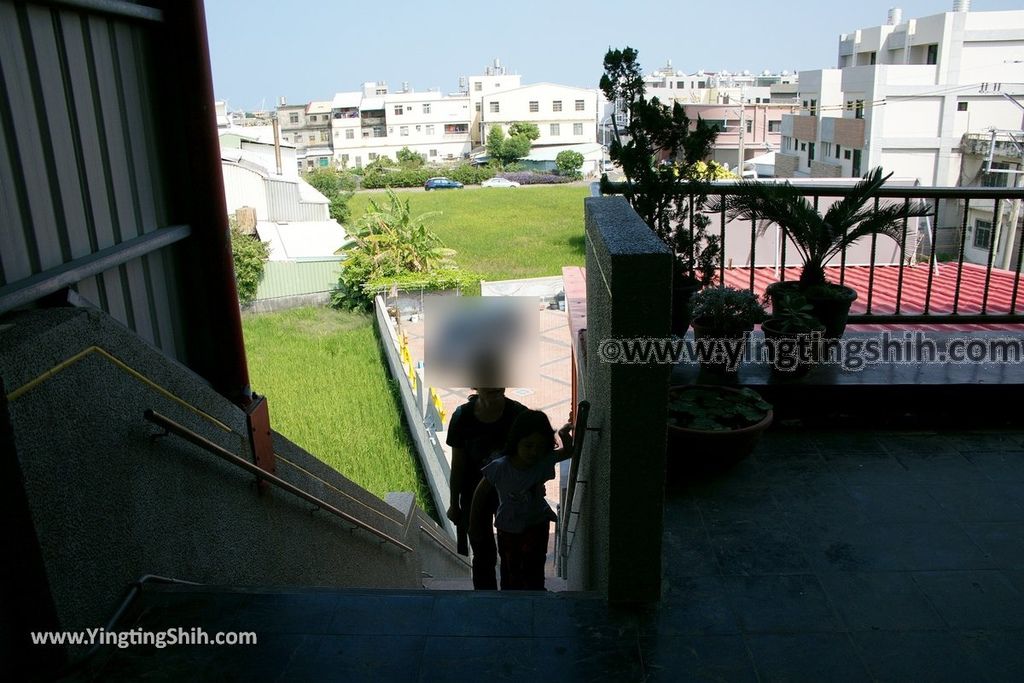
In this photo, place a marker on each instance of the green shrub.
(405, 177)
(468, 174)
(569, 164)
(249, 255)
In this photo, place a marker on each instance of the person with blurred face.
(478, 429)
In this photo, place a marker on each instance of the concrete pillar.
(629, 277)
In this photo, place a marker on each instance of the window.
(419, 128)
(805, 104)
(478, 86)
(379, 132)
(846, 155)
(344, 159)
(349, 134)
(577, 129)
(534, 106)
(554, 129)
(680, 84)
(803, 146)
(298, 137)
(982, 234)
(872, 58)
(325, 136)
(404, 131)
(293, 118)
(426, 108)
(787, 142)
(996, 179)
(495, 107)
(961, 106)
(323, 162)
(359, 161)
(373, 156)
(579, 105)
(826, 150)
(718, 124)
(750, 126)
(775, 126)
(456, 128)
(858, 109)
(399, 110)
(849, 105)
(429, 130)
(556, 105)
(478, 106)
(814, 107)
(933, 54)
(433, 153)
(810, 153)
(837, 151)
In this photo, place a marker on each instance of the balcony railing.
(900, 282)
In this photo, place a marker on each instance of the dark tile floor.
(826, 556)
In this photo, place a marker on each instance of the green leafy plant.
(658, 150)
(337, 186)
(569, 164)
(727, 308)
(388, 242)
(410, 159)
(250, 256)
(508, 149)
(793, 313)
(820, 237)
(715, 409)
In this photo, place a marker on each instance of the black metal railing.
(943, 298)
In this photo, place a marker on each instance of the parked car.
(442, 184)
(499, 182)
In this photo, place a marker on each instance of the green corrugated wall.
(291, 278)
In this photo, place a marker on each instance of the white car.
(499, 182)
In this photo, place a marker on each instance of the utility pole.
(1011, 231)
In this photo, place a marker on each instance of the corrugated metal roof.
(886, 286)
(302, 240)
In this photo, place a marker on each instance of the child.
(524, 517)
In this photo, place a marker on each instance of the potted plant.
(659, 152)
(792, 335)
(722, 320)
(711, 428)
(821, 237)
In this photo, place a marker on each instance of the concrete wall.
(110, 503)
(628, 295)
(786, 165)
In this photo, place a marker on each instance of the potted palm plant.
(712, 427)
(792, 335)
(722, 320)
(821, 237)
(660, 154)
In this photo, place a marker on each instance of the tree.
(388, 242)
(339, 208)
(410, 159)
(507, 150)
(337, 187)
(569, 163)
(327, 181)
(250, 256)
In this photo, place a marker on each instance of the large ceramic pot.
(696, 450)
(831, 304)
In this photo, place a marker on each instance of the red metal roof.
(886, 286)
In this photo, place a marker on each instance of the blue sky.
(263, 49)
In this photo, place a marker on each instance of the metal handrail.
(179, 430)
(579, 433)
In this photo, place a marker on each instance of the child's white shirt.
(521, 492)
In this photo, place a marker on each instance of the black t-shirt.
(479, 440)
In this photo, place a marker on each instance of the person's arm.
(478, 516)
(458, 469)
(565, 436)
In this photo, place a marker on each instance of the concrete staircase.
(321, 634)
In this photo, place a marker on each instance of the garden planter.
(723, 343)
(725, 436)
(776, 291)
(784, 348)
(832, 307)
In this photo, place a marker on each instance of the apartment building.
(904, 94)
(564, 115)
(308, 128)
(374, 122)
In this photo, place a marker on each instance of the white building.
(919, 98)
(905, 94)
(565, 115)
(374, 122)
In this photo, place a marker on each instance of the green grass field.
(329, 391)
(502, 234)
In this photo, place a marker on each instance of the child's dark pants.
(525, 555)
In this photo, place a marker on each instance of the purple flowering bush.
(531, 178)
